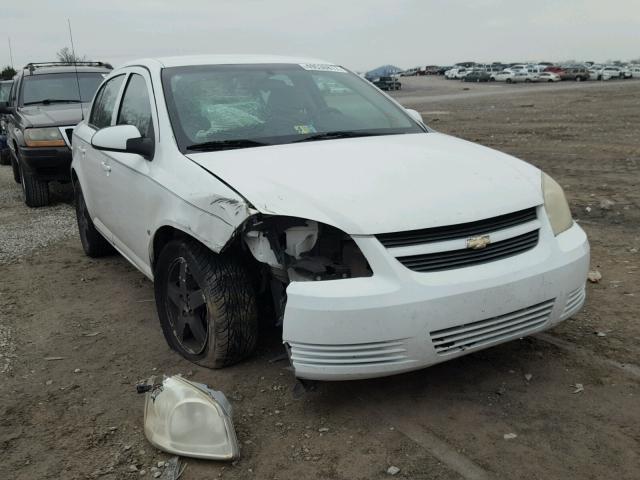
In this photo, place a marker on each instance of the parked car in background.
(547, 77)
(635, 71)
(610, 73)
(47, 100)
(477, 76)
(387, 83)
(398, 253)
(555, 69)
(502, 76)
(5, 89)
(577, 73)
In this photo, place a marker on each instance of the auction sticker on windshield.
(322, 67)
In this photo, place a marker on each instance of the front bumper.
(47, 163)
(400, 320)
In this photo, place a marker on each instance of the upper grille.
(461, 230)
(430, 262)
(491, 330)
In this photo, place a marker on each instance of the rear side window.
(135, 108)
(105, 103)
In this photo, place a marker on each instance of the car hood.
(379, 184)
(55, 115)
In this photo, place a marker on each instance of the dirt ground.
(79, 416)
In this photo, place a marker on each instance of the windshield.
(236, 106)
(5, 88)
(60, 87)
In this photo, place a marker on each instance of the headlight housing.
(556, 206)
(43, 137)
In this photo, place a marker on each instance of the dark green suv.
(46, 102)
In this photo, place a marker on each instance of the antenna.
(75, 64)
(10, 52)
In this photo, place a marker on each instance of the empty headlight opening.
(300, 250)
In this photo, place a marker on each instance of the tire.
(93, 243)
(219, 324)
(508, 80)
(5, 157)
(34, 191)
(578, 79)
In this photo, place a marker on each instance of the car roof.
(188, 60)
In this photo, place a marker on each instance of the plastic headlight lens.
(556, 205)
(43, 137)
(189, 419)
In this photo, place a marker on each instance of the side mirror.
(123, 139)
(415, 115)
(5, 108)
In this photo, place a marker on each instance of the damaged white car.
(253, 188)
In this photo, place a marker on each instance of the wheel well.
(74, 178)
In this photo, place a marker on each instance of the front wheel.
(206, 304)
(35, 192)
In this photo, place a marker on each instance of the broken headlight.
(304, 250)
(189, 419)
(555, 203)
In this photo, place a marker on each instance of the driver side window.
(135, 108)
(105, 102)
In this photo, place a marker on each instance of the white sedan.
(547, 77)
(245, 191)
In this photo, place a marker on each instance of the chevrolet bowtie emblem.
(478, 243)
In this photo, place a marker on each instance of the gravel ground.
(26, 229)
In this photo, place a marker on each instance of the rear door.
(90, 164)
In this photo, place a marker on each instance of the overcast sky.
(358, 34)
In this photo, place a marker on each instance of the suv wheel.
(34, 191)
(93, 243)
(578, 78)
(206, 304)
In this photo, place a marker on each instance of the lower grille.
(376, 353)
(431, 262)
(574, 301)
(491, 330)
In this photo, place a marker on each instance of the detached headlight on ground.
(555, 203)
(43, 137)
(189, 419)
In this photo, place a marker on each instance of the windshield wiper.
(338, 134)
(48, 101)
(225, 145)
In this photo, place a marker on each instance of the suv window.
(105, 102)
(60, 87)
(135, 108)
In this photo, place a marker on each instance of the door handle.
(106, 167)
(82, 150)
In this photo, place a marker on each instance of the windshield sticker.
(304, 129)
(322, 67)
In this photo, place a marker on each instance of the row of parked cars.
(518, 73)
(289, 190)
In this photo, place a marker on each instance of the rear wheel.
(93, 243)
(35, 192)
(206, 304)
(578, 79)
